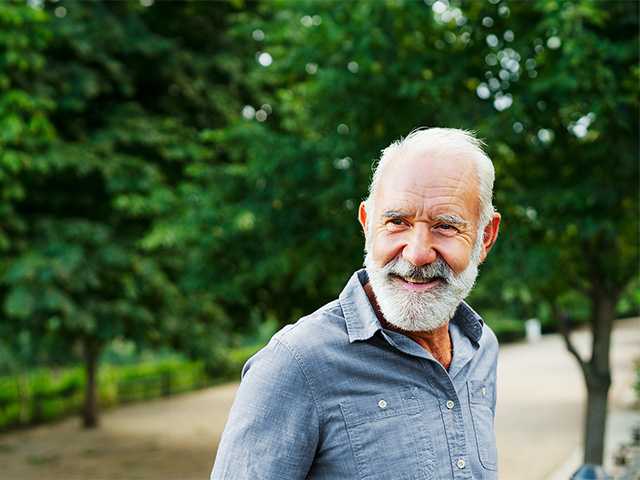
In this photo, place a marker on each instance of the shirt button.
(382, 404)
(460, 463)
(450, 404)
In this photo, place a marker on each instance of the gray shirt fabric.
(336, 396)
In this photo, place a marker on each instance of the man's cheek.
(456, 254)
(385, 250)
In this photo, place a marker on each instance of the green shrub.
(42, 395)
(235, 360)
(629, 303)
(506, 329)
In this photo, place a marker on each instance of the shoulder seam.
(307, 378)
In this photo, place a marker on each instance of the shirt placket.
(454, 427)
(443, 388)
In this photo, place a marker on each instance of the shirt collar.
(469, 321)
(362, 322)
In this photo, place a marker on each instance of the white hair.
(449, 141)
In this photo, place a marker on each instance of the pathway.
(539, 423)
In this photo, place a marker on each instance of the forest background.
(182, 178)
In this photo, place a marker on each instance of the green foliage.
(188, 174)
(93, 148)
(39, 396)
(551, 86)
(100, 107)
(506, 329)
(43, 395)
(235, 360)
(629, 304)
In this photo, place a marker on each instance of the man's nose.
(419, 249)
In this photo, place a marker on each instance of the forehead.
(432, 182)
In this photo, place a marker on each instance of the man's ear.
(489, 235)
(362, 217)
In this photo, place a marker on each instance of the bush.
(629, 303)
(43, 395)
(506, 329)
(239, 356)
(40, 395)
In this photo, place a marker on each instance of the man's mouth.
(418, 284)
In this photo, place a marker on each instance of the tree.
(204, 161)
(584, 107)
(553, 88)
(102, 103)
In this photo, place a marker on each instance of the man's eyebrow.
(451, 219)
(444, 218)
(395, 214)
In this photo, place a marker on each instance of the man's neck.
(437, 342)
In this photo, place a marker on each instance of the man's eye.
(447, 228)
(394, 224)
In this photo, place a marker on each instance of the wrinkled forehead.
(428, 174)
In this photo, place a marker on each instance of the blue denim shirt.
(336, 396)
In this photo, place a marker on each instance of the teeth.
(411, 280)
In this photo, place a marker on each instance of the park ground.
(539, 423)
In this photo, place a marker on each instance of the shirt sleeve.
(272, 430)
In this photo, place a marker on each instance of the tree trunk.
(597, 374)
(90, 408)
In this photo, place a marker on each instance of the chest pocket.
(481, 397)
(388, 437)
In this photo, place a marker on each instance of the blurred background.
(180, 179)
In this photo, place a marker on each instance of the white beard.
(421, 311)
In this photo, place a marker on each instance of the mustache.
(403, 268)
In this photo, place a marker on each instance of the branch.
(565, 330)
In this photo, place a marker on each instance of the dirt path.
(161, 439)
(538, 426)
(541, 400)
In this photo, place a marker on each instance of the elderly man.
(396, 378)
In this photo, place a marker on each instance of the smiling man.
(396, 378)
